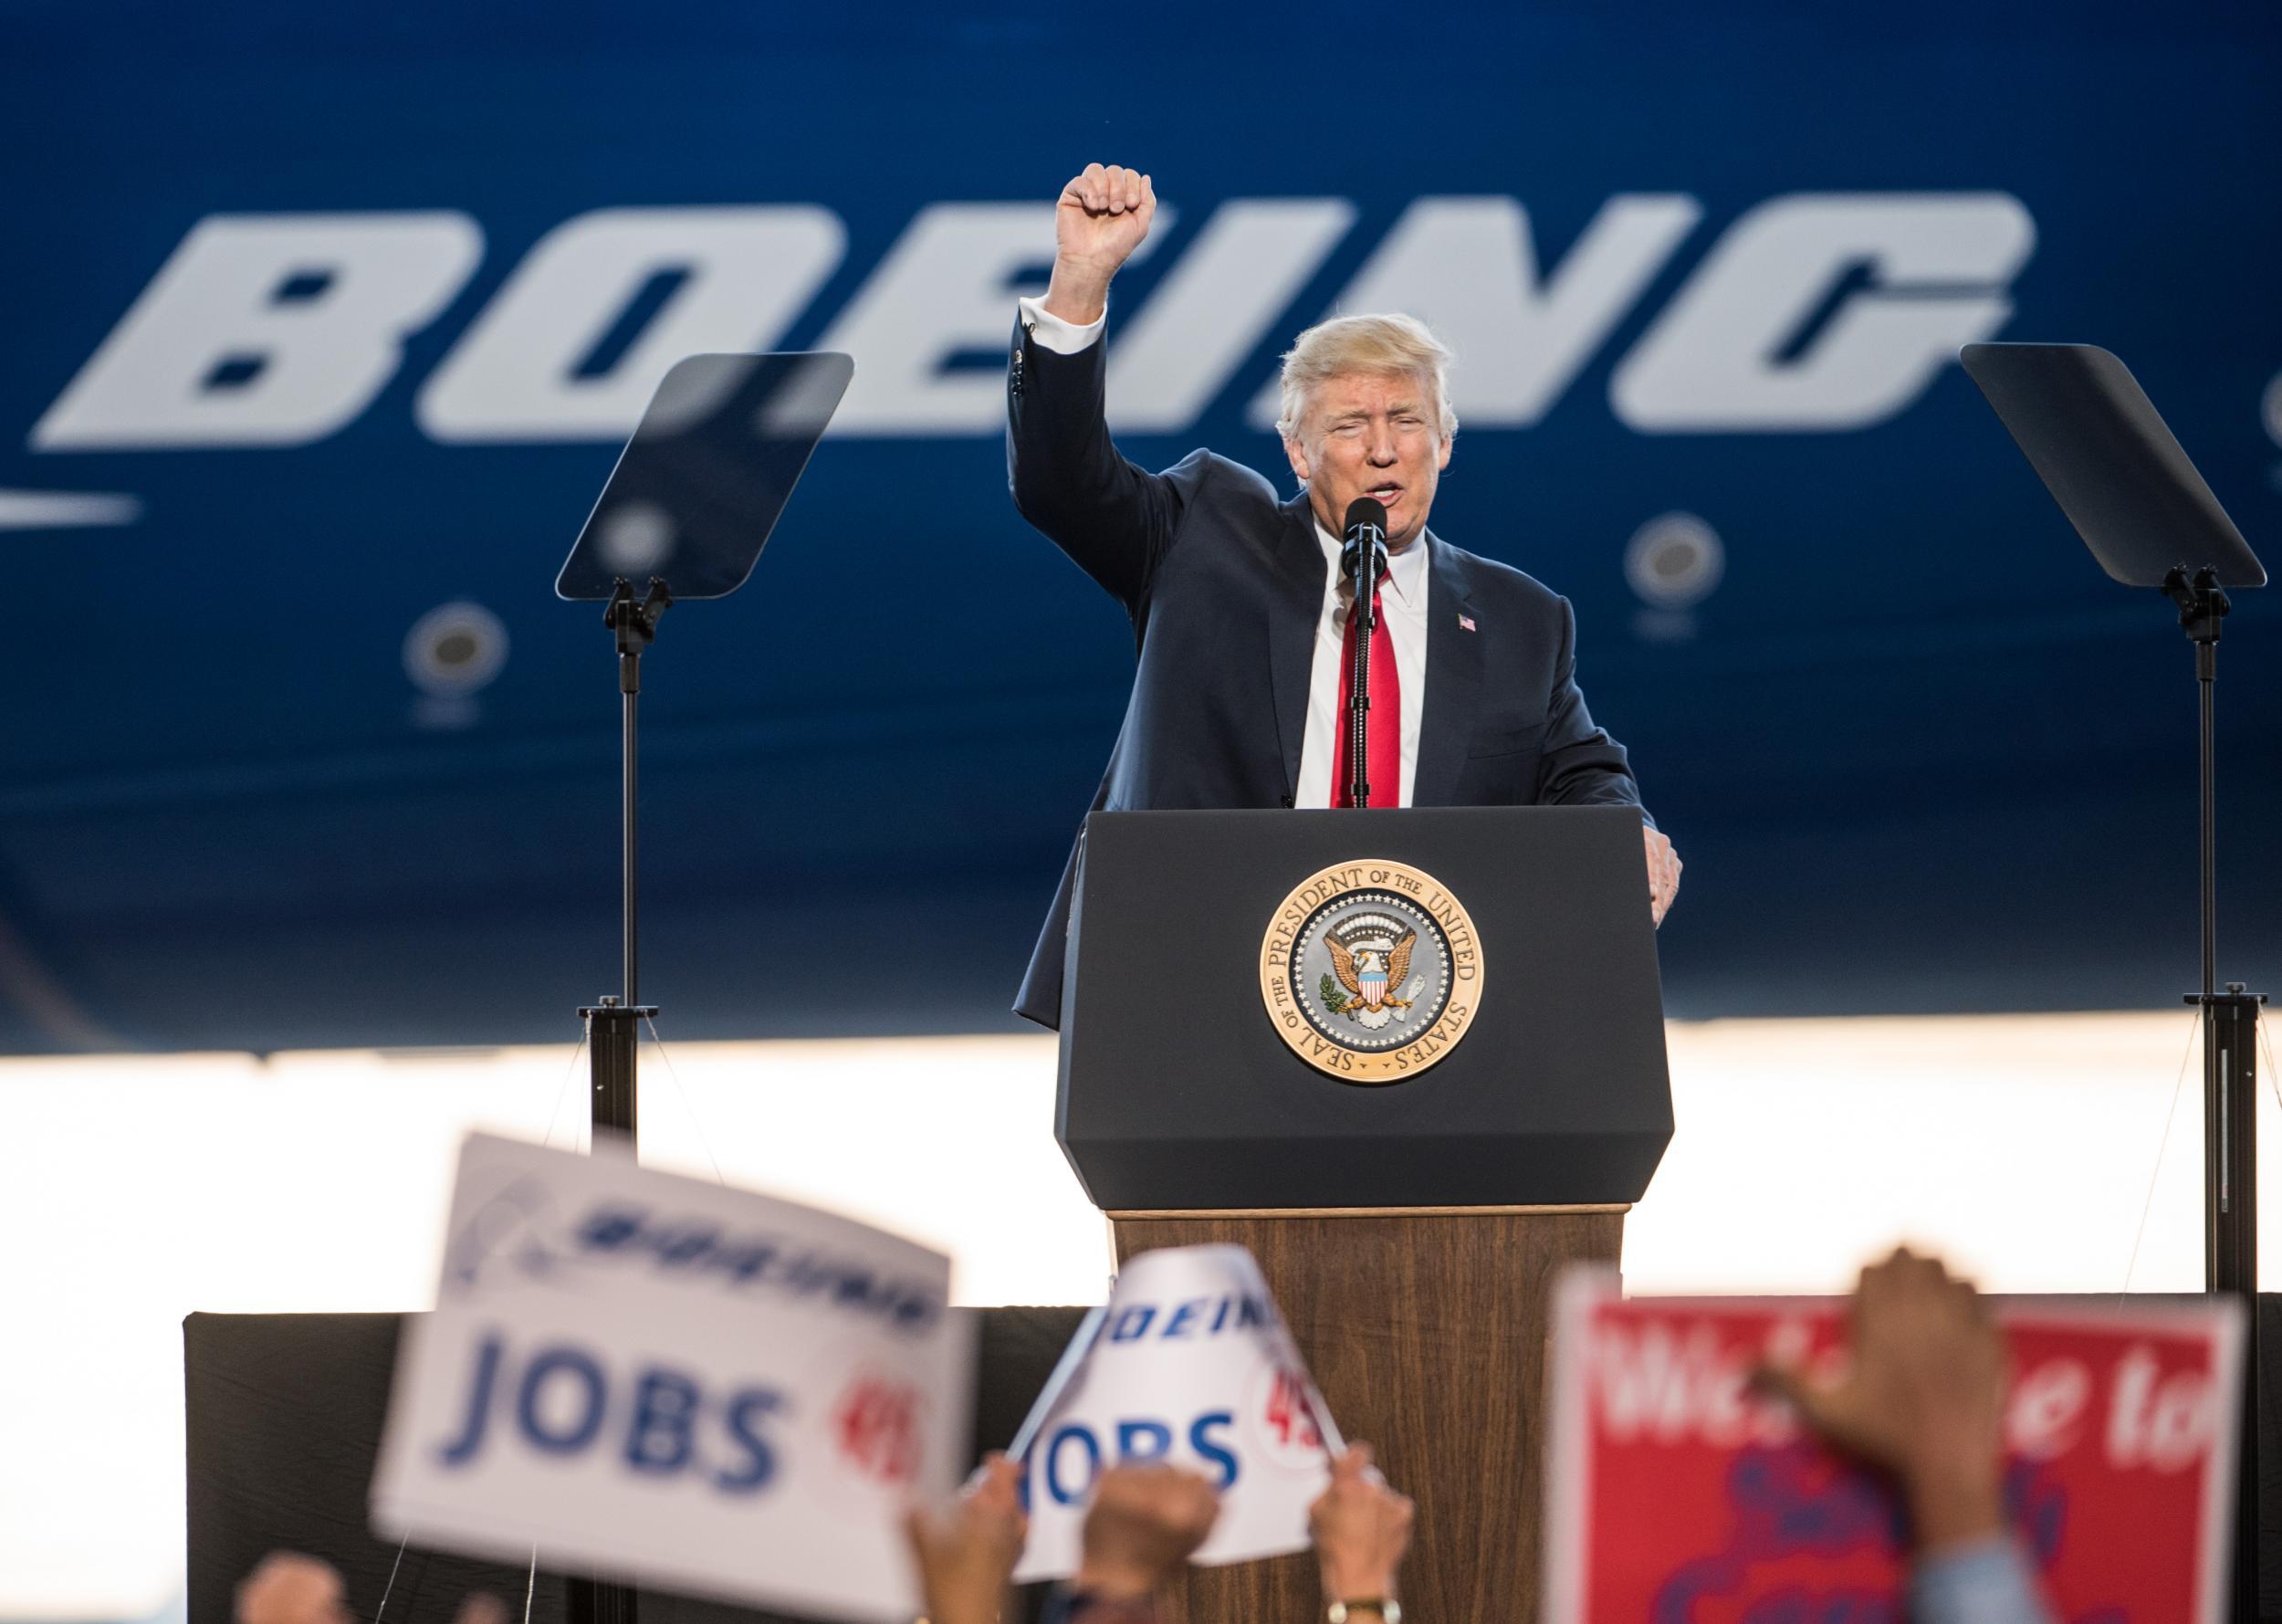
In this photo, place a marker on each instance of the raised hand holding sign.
(966, 1552)
(1191, 1367)
(675, 1382)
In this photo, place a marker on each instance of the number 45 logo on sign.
(1283, 1415)
(877, 1427)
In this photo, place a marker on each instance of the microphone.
(1363, 560)
(1367, 526)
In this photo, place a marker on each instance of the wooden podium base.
(1425, 1329)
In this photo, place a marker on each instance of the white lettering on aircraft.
(1934, 267)
(265, 330)
(1812, 312)
(734, 278)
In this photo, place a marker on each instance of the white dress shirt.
(1402, 602)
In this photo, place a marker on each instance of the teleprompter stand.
(2230, 1019)
(614, 1024)
(2103, 451)
(691, 503)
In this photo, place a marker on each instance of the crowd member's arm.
(1144, 1524)
(1362, 1530)
(966, 1556)
(1923, 1398)
(1114, 518)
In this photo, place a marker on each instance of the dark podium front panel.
(1179, 1091)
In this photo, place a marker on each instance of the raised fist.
(1921, 1396)
(1100, 219)
(1144, 1524)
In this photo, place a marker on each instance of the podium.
(1414, 1059)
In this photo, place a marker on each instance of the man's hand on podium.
(1362, 1530)
(1100, 220)
(1664, 867)
(1143, 1526)
(966, 1556)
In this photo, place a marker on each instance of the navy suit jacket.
(1224, 583)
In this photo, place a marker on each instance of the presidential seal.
(1371, 972)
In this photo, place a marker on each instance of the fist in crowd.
(1921, 1395)
(1361, 1528)
(1144, 1524)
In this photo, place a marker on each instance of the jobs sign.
(676, 1382)
(1189, 1363)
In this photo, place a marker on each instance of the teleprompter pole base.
(591, 1601)
(613, 1030)
(2230, 1249)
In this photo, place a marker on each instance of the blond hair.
(1383, 345)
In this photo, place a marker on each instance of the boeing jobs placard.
(677, 1382)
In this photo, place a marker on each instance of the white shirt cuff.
(1064, 337)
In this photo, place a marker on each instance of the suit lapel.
(1453, 678)
(1296, 605)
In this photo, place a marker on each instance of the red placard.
(1674, 1495)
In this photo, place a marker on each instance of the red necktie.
(1386, 715)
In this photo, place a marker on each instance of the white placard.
(675, 1383)
(1191, 1364)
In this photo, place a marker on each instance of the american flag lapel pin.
(1467, 621)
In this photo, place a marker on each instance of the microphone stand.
(1365, 563)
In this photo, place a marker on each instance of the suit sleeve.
(1114, 518)
(1581, 766)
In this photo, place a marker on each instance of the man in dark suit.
(1240, 618)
